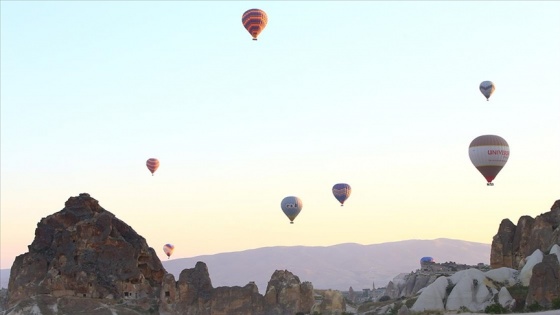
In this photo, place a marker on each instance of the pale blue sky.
(381, 95)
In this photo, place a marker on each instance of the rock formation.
(286, 294)
(512, 244)
(332, 303)
(193, 294)
(544, 286)
(85, 251)
(85, 260)
(526, 255)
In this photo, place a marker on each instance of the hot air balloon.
(489, 154)
(291, 206)
(152, 165)
(427, 259)
(341, 192)
(254, 21)
(168, 249)
(487, 88)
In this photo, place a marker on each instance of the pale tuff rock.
(527, 271)
(432, 296)
(469, 291)
(505, 299)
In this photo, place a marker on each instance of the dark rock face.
(502, 244)
(513, 243)
(545, 282)
(193, 294)
(85, 251)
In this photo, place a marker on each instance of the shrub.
(495, 308)
(556, 304)
(384, 298)
(535, 307)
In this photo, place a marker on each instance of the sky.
(381, 95)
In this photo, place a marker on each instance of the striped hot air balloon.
(254, 21)
(292, 207)
(489, 154)
(168, 249)
(487, 88)
(152, 165)
(341, 192)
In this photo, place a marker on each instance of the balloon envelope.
(152, 165)
(168, 249)
(487, 88)
(341, 192)
(427, 259)
(489, 154)
(254, 21)
(291, 206)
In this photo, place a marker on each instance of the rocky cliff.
(85, 260)
(513, 243)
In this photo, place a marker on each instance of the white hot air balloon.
(489, 154)
(291, 206)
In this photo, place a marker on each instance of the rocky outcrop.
(544, 286)
(193, 294)
(502, 245)
(286, 294)
(472, 289)
(512, 244)
(332, 303)
(526, 255)
(85, 251)
(85, 260)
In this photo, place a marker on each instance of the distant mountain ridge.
(336, 267)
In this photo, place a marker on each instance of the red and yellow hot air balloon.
(152, 165)
(254, 21)
(168, 249)
(489, 154)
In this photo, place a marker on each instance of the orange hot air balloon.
(152, 165)
(254, 21)
(489, 154)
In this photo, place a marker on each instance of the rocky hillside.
(85, 260)
(524, 276)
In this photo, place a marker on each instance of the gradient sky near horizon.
(380, 95)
